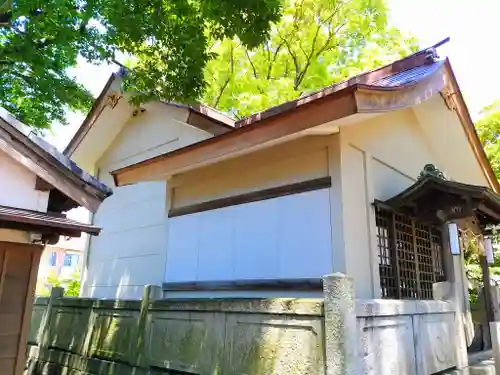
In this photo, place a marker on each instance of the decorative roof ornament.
(431, 55)
(112, 99)
(431, 170)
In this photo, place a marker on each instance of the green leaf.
(315, 44)
(169, 38)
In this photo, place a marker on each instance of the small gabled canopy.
(435, 199)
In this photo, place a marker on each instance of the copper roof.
(434, 198)
(42, 220)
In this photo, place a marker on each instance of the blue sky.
(474, 28)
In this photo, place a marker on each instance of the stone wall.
(85, 336)
(406, 337)
(336, 335)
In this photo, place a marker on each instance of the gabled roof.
(221, 123)
(62, 177)
(433, 198)
(401, 84)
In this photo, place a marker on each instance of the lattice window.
(410, 256)
(388, 283)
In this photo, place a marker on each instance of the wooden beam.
(314, 284)
(42, 185)
(55, 178)
(254, 196)
(321, 111)
(470, 130)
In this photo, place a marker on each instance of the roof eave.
(94, 112)
(470, 130)
(270, 129)
(355, 101)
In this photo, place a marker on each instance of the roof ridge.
(422, 57)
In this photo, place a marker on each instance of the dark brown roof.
(436, 199)
(377, 77)
(18, 218)
(399, 75)
(47, 163)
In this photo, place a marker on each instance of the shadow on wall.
(108, 279)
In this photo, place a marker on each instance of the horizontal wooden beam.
(254, 196)
(302, 117)
(305, 284)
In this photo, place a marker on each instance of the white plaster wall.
(448, 140)
(299, 160)
(382, 156)
(281, 238)
(130, 252)
(17, 186)
(379, 158)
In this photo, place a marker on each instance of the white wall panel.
(133, 241)
(308, 253)
(256, 239)
(215, 256)
(182, 264)
(285, 237)
(17, 186)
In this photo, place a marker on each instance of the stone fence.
(333, 336)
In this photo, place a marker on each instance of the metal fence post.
(340, 325)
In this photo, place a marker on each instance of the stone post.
(55, 293)
(151, 293)
(495, 344)
(341, 339)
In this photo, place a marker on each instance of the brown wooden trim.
(254, 196)
(470, 131)
(36, 253)
(339, 105)
(41, 163)
(306, 284)
(94, 113)
(42, 185)
(206, 123)
(417, 59)
(326, 105)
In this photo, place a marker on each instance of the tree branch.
(226, 82)
(323, 48)
(251, 63)
(271, 64)
(295, 61)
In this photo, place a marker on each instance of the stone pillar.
(495, 344)
(55, 293)
(151, 293)
(341, 338)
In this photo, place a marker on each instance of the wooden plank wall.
(18, 270)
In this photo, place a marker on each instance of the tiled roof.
(409, 76)
(71, 165)
(42, 219)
